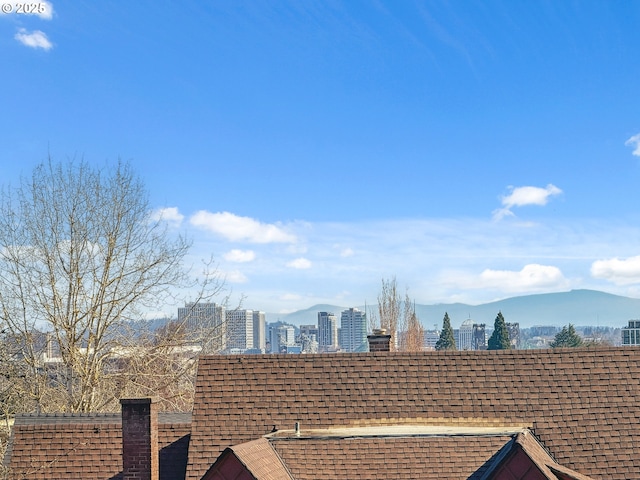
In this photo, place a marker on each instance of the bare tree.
(411, 330)
(399, 318)
(80, 257)
(389, 304)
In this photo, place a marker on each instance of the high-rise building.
(353, 331)
(259, 331)
(479, 341)
(205, 324)
(327, 331)
(465, 335)
(239, 330)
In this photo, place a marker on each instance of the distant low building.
(311, 331)
(430, 339)
(282, 336)
(631, 334)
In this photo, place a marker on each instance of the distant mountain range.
(579, 307)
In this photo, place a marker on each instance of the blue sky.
(475, 150)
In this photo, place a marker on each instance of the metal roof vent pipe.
(379, 341)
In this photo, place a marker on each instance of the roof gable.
(525, 458)
(249, 461)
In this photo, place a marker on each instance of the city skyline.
(475, 151)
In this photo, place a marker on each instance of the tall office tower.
(514, 334)
(465, 335)
(205, 325)
(259, 331)
(353, 329)
(479, 337)
(327, 331)
(240, 330)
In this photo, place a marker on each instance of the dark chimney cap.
(136, 401)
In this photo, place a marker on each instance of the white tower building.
(327, 331)
(353, 330)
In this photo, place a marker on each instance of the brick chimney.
(139, 439)
(379, 341)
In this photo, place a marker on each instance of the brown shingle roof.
(454, 453)
(435, 458)
(582, 403)
(89, 446)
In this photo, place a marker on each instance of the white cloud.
(440, 260)
(347, 252)
(522, 196)
(236, 228)
(618, 271)
(35, 39)
(635, 143)
(46, 11)
(240, 256)
(299, 263)
(171, 215)
(531, 277)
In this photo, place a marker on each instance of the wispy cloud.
(440, 260)
(245, 229)
(171, 215)
(240, 256)
(523, 196)
(299, 263)
(290, 296)
(634, 142)
(235, 276)
(35, 39)
(347, 252)
(618, 271)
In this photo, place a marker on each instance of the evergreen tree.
(500, 337)
(567, 337)
(446, 340)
